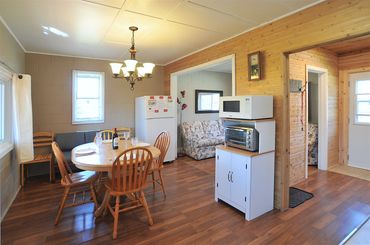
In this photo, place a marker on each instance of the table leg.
(99, 212)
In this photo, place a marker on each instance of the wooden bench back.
(42, 139)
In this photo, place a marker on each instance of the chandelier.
(132, 70)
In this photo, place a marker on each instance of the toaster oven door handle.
(236, 129)
(237, 141)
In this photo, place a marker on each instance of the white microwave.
(246, 107)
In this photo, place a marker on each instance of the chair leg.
(61, 207)
(162, 183)
(93, 195)
(145, 205)
(116, 214)
(153, 179)
(52, 170)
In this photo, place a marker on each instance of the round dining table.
(100, 157)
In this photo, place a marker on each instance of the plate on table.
(142, 144)
(86, 151)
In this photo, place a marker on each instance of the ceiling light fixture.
(133, 70)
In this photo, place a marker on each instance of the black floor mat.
(297, 197)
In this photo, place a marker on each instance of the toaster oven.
(242, 137)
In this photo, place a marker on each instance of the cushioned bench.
(68, 141)
(201, 138)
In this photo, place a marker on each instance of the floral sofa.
(312, 144)
(201, 137)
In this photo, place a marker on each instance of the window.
(2, 111)
(87, 97)
(362, 105)
(207, 101)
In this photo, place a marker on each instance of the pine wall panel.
(328, 21)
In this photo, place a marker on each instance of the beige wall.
(52, 93)
(13, 56)
(206, 80)
(325, 22)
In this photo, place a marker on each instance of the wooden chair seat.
(40, 140)
(81, 178)
(38, 158)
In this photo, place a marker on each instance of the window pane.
(363, 108)
(2, 102)
(363, 97)
(363, 119)
(87, 109)
(88, 86)
(205, 102)
(88, 96)
(363, 87)
(215, 102)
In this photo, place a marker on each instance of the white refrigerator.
(153, 115)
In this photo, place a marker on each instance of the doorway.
(218, 65)
(317, 117)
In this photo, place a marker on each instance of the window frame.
(355, 95)
(76, 121)
(6, 144)
(198, 92)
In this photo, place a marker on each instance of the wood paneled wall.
(328, 21)
(297, 70)
(359, 62)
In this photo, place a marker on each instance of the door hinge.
(245, 199)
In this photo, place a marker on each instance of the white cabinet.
(245, 180)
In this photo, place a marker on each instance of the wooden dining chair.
(106, 134)
(129, 174)
(42, 147)
(79, 183)
(120, 132)
(162, 143)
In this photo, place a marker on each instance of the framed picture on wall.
(254, 66)
(207, 101)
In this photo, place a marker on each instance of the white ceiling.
(168, 29)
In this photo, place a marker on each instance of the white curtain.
(22, 108)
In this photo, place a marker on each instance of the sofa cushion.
(218, 140)
(90, 136)
(67, 141)
(193, 130)
(211, 128)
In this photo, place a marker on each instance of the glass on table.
(98, 139)
(126, 135)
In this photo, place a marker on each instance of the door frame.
(174, 76)
(323, 120)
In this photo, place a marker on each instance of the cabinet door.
(223, 163)
(239, 179)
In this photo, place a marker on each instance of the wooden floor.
(190, 215)
(351, 171)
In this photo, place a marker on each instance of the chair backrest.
(63, 166)
(121, 130)
(106, 134)
(130, 170)
(42, 139)
(162, 143)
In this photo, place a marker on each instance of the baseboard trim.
(10, 204)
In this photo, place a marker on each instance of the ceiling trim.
(248, 30)
(11, 33)
(79, 57)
